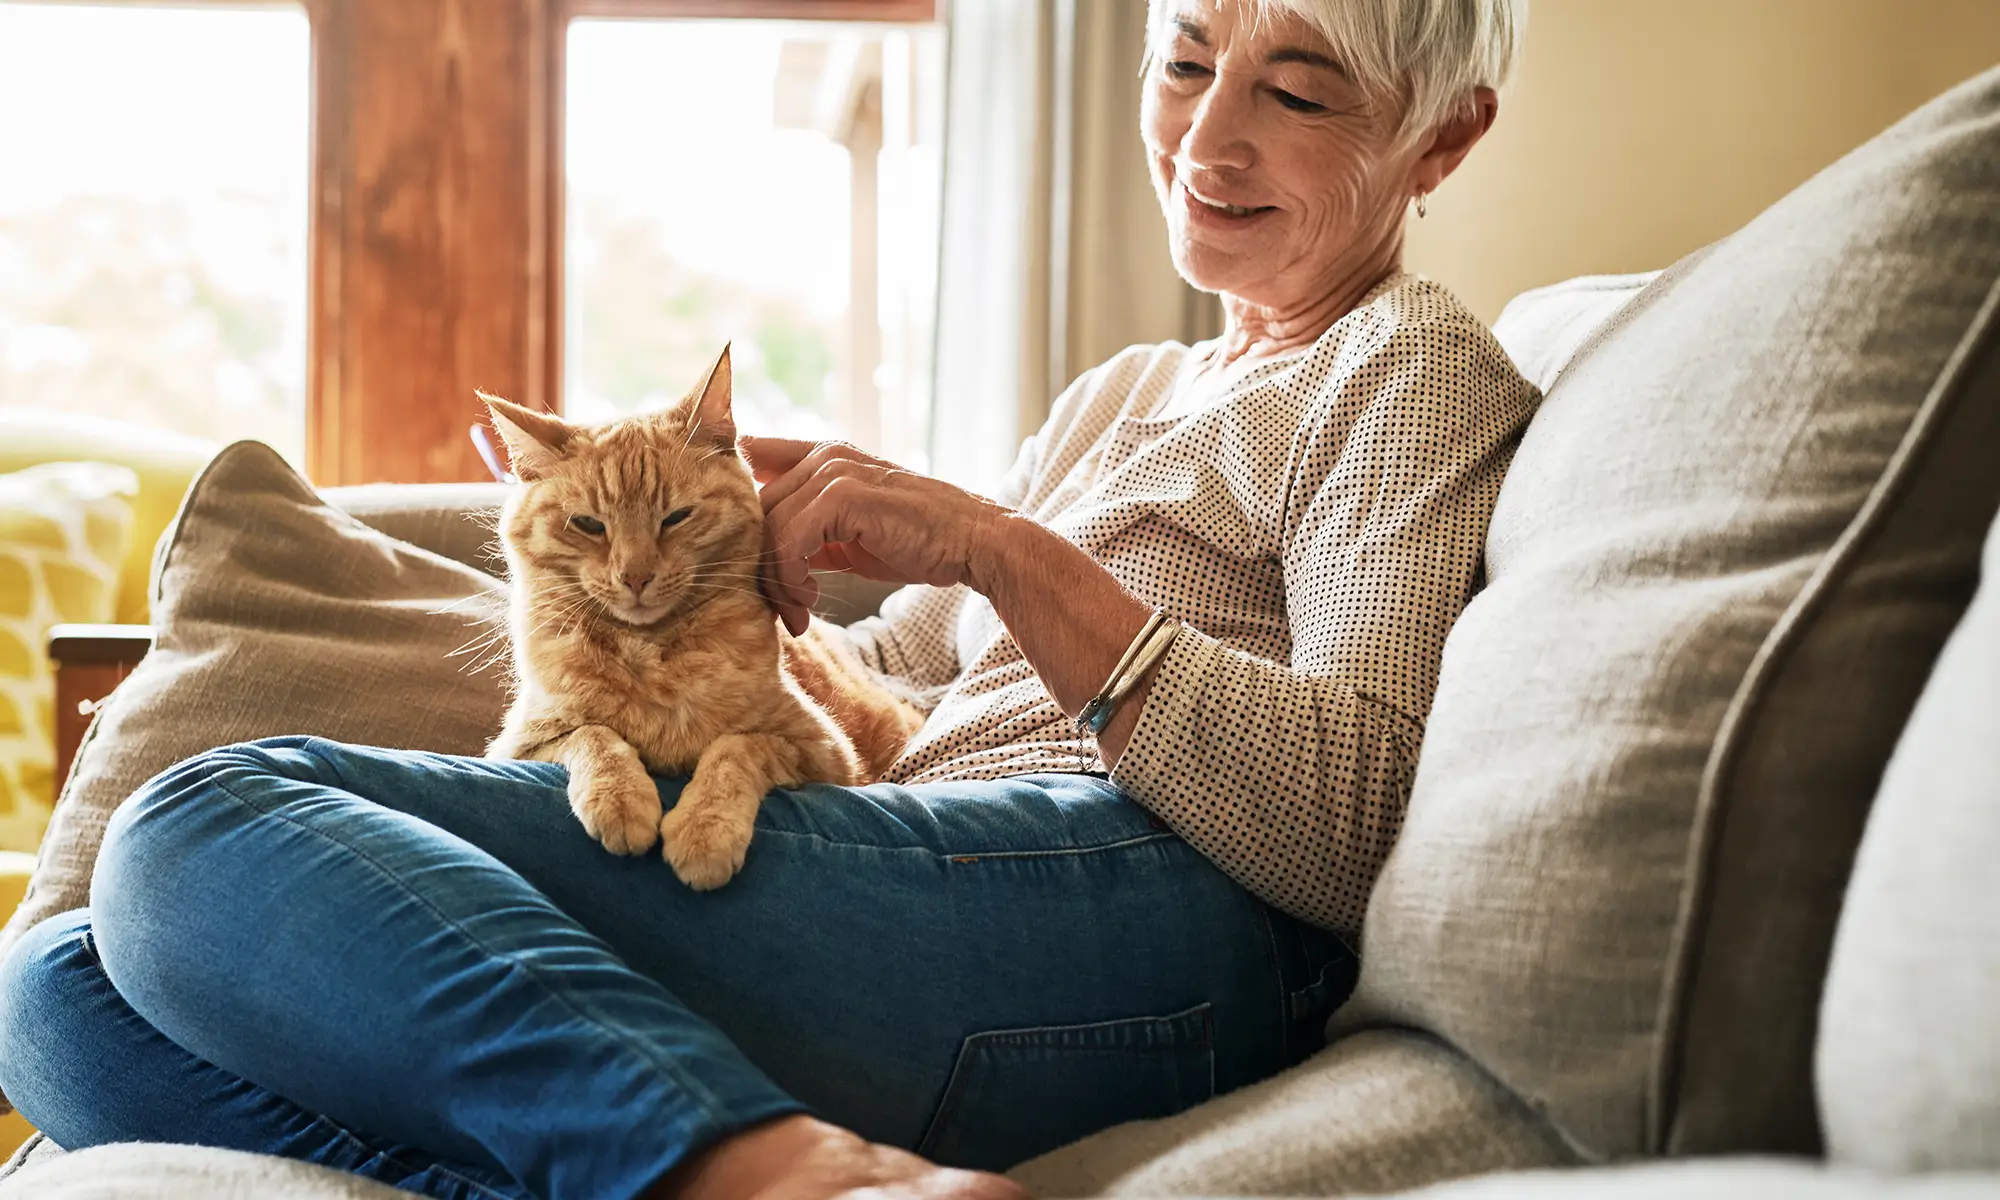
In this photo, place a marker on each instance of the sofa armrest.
(90, 660)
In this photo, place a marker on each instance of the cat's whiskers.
(714, 588)
(495, 646)
(747, 560)
(579, 615)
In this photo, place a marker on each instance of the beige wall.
(1639, 130)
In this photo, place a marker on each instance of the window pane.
(153, 216)
(769, 184)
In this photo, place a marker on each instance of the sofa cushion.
(1716, 1179)
(275, 613)
(1733, 541)
(452, 520)
(1377, 1112)
(152, 1171)
(1909, 1050)
(1543, 329)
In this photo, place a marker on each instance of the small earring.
(1422, 208)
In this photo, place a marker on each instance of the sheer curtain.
(1054, 252)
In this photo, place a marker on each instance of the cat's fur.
(647, 647)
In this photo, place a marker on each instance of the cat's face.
(638, 520)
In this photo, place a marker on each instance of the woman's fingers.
(771, 457)
(821, 511)
(856, 514)
(811, 509)
(838, 456)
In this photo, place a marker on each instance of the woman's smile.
(1213, 214)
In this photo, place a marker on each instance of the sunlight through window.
(153, 216)
(769, 184)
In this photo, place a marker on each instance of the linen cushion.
(1909, 1049)
(275, 613)
(63, 532)
(453, 520)
(1377, 1112)
(154, 1171)
(1731, 545)
(1544, 328)
(1715, 1179)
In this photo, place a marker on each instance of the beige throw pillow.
(275, 613)
(1732, 543)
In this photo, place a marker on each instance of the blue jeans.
(421, 969)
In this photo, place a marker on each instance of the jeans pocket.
(1016, 1093)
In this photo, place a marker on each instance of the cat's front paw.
(707, 835)
(622, 811)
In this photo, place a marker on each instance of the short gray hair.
(1426, 55)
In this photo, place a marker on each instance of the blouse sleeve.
(914, 637)
(1293, 776)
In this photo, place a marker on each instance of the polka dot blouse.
(1315, 520)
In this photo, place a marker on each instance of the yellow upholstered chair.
(164, 462)
(14, 869)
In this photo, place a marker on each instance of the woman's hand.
(831, 507)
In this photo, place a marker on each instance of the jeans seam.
(357, 1142)
(1284, 990)
(968, 855)
(666, 1067)
(968, 1045)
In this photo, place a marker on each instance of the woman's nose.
(1218, 138)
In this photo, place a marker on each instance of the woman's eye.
(1297, 103)
(1181, 68)
(589, 526)
(675, 517)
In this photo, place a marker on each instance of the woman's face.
(1279, 178)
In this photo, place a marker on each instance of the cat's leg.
(609, 790)
(708, 832)
(826, 753)
(512, 740)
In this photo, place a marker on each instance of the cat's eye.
(589, 526)
(675, 517)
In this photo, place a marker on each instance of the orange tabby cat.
(640, 642)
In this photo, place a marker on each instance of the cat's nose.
(636, 581)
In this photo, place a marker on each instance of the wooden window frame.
(436, 231)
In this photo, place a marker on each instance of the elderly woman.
(1180, 667)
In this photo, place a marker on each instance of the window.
(326, 224)
(769, 183)
(153, 216)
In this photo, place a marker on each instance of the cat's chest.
(669, 709)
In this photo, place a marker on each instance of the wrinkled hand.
(831, 507)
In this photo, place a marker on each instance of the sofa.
(1696, 892)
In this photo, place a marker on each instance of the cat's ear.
(536, 442)
(711, 416)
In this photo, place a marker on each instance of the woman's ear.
(1451, 141)
(536, 442)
